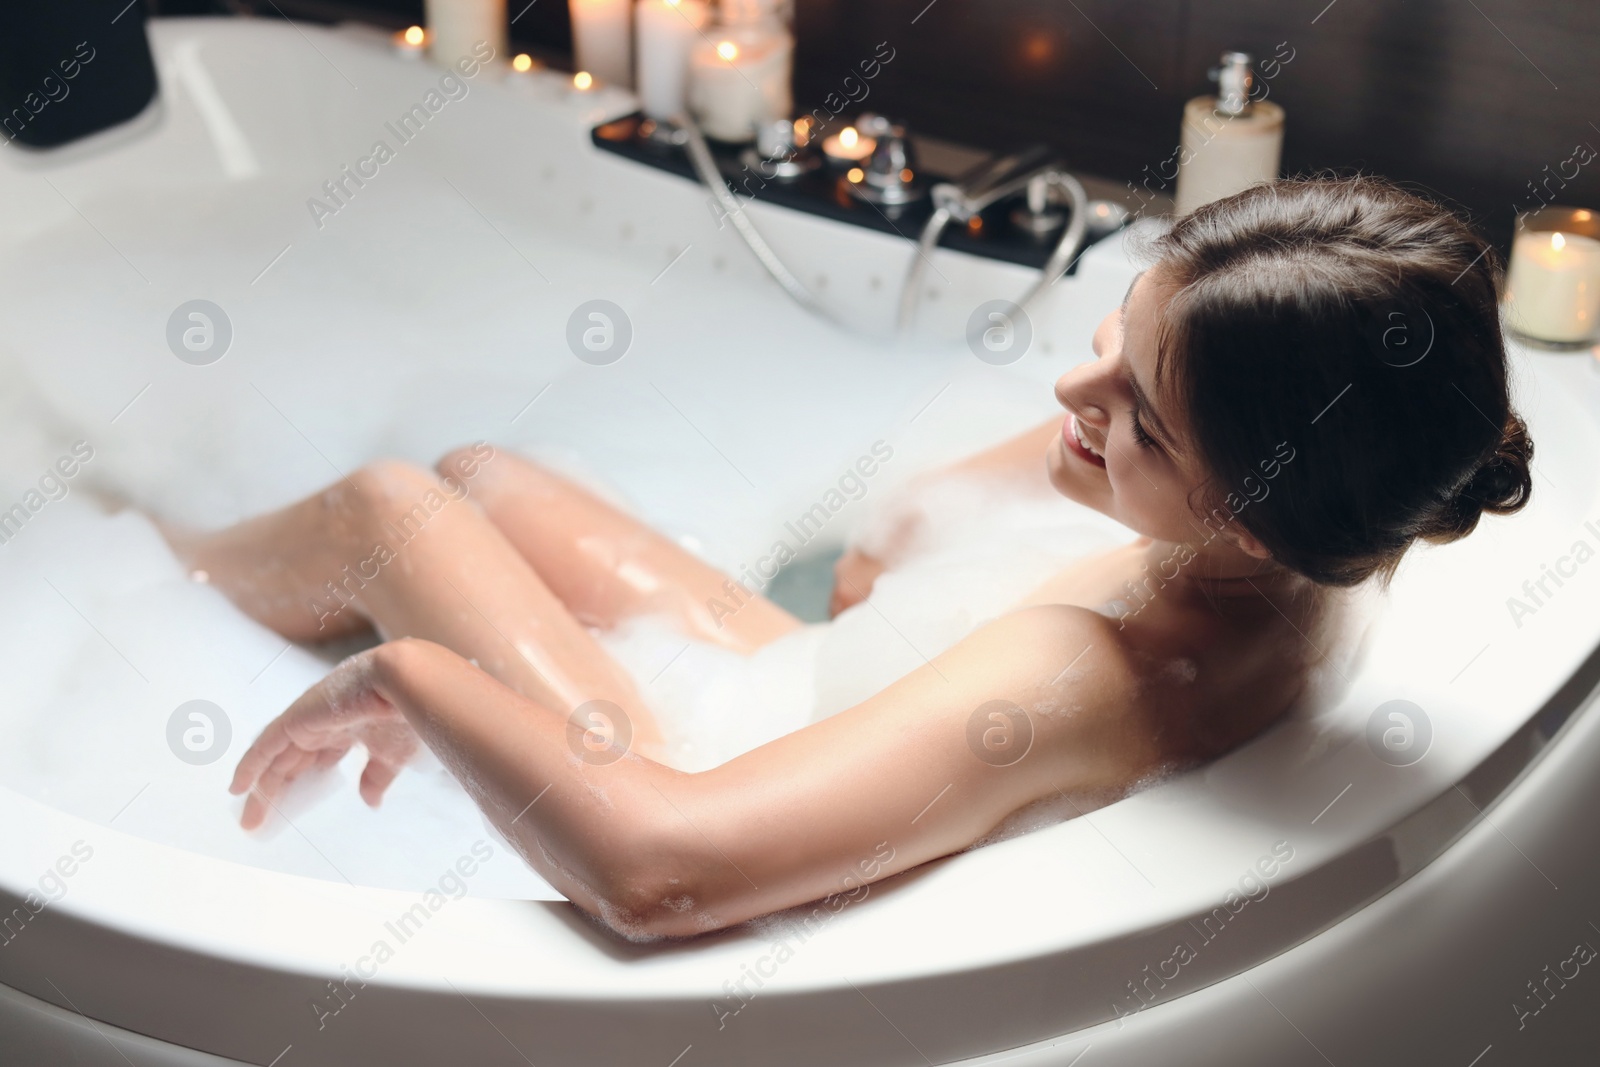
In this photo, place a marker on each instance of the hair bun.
(1501, 485)
(1505, 480)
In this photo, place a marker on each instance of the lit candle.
(667, 32)
(848, 147)
(739, 80)
(1553, 286)
(458, 28)
(411, 42)
(602, 39)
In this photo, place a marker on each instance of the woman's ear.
(1247, 543)
(1235, 534)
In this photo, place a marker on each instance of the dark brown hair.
(1360, 324)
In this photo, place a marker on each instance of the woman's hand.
(342, 710)
(854, 575)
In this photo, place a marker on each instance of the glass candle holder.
(1553, 284)
(739, 79)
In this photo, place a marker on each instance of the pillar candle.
(739, 79)
(602, 39)
(456, 26)
(668, 32)
(1553, 286)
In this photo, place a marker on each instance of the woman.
(1308, 379)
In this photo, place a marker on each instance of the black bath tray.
(823, 192)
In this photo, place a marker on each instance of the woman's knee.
(386, 491)
(484, 469)
(471, 465)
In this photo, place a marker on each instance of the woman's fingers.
(273, 740)
(297, 727)
(273, 781)
(255, 812)
(375, 780)
(282, 772)
(854, 575)
(316, 731)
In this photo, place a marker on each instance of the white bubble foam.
(96, 663)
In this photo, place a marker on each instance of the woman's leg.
(606, 565)
(395, 546)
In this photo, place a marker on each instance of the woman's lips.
(1069, 434)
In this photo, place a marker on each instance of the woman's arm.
(1020, 458)
(921, 770)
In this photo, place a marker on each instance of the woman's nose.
(1080, 388)
(1076, 390)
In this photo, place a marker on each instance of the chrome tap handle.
(890, 176)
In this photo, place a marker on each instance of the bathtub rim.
(173, 927)
(1485, 785)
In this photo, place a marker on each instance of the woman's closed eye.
(1140, 436)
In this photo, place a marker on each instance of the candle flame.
(1557, 241)
(414, 35)
(728, 51)
(582, 80)
(855, 174)
(848, 137)
(522, 63)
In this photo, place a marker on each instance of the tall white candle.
(455, 28)
(1553, 286)
(667, 32)
(740, 79)
(602, 39)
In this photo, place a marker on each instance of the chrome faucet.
(1036, 172)
(889, 181)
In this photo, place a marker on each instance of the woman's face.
(1138, 466)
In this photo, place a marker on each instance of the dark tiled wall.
(1471, 99)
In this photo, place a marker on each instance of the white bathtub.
(431, 310)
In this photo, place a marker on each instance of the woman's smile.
(1072, 434)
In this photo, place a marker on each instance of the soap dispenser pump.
(1231, 140)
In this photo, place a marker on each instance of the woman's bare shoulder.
(1081, 683)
